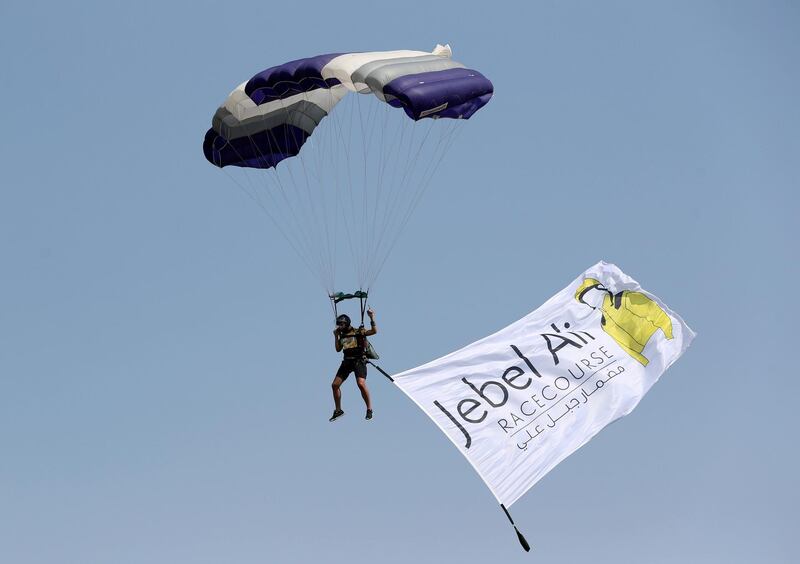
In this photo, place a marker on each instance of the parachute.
(354, 184)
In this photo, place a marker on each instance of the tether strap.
(381, 370)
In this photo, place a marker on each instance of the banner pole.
(522, 540)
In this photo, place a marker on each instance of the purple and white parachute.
(368, 165)
(269, 117)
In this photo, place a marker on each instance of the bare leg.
(337, 392)
(362, 385)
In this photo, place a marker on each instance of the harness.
(363, 344)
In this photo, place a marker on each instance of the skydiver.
(352, 343)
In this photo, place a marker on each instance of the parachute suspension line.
(443, 145)
(314, 222)
(339, 178)
(371, 218)
(367, 240)
(375, 191)
(393, 206)
(319, 228)
(404, 125)
(348, 212)
(341, 156)
(313, 158)
(335, 218)
(326, 220)
(274, 221)
(303, 225)
(381, 169)
(394, 190)
(330, 143)
(384, 218)
(385, 198)
(381, 198)
(446, 141)
(306, 255)
(359, 217)
(273, 177)
(366, 142)
(303, 189)
(256, 197)
(449, 140)
(353, 219)
(410, 161)
(323, 242)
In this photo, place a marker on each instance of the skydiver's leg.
(337, 392)
(362, 385)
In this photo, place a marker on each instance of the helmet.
(343, 319)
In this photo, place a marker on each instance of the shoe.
(337, 413)
(369, 415)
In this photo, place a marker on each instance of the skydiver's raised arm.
(373, 328)
(337, 341)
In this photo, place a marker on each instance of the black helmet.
(343, 320)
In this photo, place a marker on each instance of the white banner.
(518, 402)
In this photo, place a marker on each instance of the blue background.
(165, 359)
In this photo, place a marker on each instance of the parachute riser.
(341, 296)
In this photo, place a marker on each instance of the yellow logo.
(630, 318)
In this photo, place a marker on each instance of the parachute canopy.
(355, 183)
(270, 117)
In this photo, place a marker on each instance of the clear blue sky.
(165, 359)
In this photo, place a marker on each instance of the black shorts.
(357, 365)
